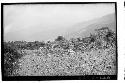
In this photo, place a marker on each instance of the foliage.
(10, 59)
(60, 38)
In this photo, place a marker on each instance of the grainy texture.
(94, 55)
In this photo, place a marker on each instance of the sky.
(47, 21)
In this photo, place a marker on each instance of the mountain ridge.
(84, 29)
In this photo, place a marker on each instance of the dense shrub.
(60, 38)
(11, 57)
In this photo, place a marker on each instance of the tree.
(60, 38)
(110, 37)
(93, 38)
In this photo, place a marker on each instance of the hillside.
(93, 55)
(89, 26)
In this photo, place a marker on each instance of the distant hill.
(84, 29)
(42, 33)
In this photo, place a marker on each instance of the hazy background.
(46, 22)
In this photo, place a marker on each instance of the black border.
(21, 3)
(43, 78)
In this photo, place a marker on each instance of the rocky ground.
(96, 62)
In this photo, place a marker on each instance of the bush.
(10, 59)
(60, 38)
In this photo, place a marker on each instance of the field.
(94, 55)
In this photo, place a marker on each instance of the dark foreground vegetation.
(93, 55)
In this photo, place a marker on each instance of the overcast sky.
(23, 22)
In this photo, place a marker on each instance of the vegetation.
(93, 55)
(11, 56)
